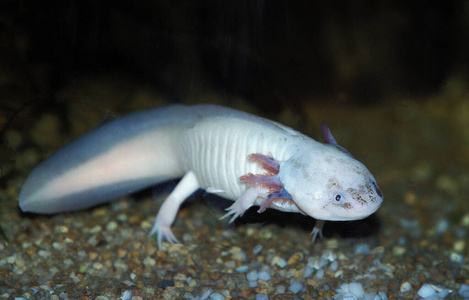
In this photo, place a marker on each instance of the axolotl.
(244, 158)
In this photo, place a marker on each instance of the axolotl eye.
(338, 197)
(378, 191)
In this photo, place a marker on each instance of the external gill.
(269, 180)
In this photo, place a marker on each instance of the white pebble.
(373, 297)
(356, 289)
(442, 226)
(252, 275)
(126, 295)
(406, 287)
(281, 262)
(464, 291)
(262, 297)
(206, 294)
(320, 274)
(111, 226)
(382, 266)
(364, 249)
(334, 266)
(264, 275)
(308, 271)
(217, 296)
(280, 289)
(295, 287)
(148, 262)
(242, 269)
(44, 253)
(257, 249)
(329, 255)
(58, 246)
(382, 296)
(346, 296)
(426, 291)
(456, 257)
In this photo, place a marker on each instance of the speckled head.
(327, 183)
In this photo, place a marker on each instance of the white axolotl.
(245, 158)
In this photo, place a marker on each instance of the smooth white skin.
(208, 146)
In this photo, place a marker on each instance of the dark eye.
(338, 197)
(378, 191)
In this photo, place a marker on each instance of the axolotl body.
(244, 158)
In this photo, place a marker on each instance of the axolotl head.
(328, 183)
(331, 185)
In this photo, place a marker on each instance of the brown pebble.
(121, 253)
(151, 249)
(295, 258)
(92, 255)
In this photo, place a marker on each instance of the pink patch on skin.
(269, 180)
(268, 163)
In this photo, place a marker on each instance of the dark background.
(268, 52)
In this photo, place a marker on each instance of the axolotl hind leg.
(167, 213)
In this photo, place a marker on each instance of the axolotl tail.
(116, 159)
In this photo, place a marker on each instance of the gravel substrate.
(416, 246)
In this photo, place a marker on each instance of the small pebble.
(242, 269)
(398, 250)
(465, 220)
(217, 296)
(280, 289)
(409, 224)
(456, 257)
(334, 266)
(320, 274)
(257, 249)
(277, 260)
(382, 296)
(252, 275)
(149, 262)
(364, 249)
(264, 275)
(464, 291)
(44, 253)
(262, 297)
(442, 226)
(295, 287)
(165, 283)
(406, 287)
(382, 266)
(429, 290)
(356, 289)
(126, 295)
(252, 283)
(460, 233)
(111, 226)
(329, 255)
(308, 272)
